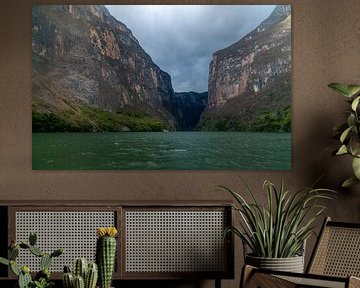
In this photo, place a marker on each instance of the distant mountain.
(250, 81)
(91, 74)
(187, 108)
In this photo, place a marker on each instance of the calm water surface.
(157, 150)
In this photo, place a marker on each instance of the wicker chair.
(334, 263)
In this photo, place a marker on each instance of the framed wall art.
(161, 87)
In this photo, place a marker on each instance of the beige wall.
(326, 48)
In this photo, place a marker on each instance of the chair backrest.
(337, 251)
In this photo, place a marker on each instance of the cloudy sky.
(182, 38)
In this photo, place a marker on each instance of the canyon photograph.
(161, 87)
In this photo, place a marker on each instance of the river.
(161, 151)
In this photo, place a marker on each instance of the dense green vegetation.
(278, 121)
(91, 119)
(271, 121)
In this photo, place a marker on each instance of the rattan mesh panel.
(338, 253)
(306, 282)
(175, 241)
(75, 231)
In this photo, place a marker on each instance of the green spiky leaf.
(340, 88)
(349, 182)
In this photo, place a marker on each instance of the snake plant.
(349, 131)
(279, 228)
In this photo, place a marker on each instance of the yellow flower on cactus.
(25, 269)
(107, 231)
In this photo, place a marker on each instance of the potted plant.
(349, 131)
(276, 233)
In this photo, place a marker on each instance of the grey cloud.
(182, 38)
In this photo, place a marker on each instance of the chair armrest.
(354, 282)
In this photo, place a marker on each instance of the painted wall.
(326, 48)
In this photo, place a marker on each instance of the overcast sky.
(182, 38)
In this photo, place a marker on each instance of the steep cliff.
(89, 68)
(187, 108)
(251, 78)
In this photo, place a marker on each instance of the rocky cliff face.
(187, 108)
(253, 75)
(84, 56)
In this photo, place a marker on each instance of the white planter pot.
(291, 264)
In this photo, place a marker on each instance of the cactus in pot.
(106, 254)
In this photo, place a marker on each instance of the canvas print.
(161, 87)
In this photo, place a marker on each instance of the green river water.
(161, 151)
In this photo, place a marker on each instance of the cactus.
(36, 251)
(42, 278)
(24, 280)
(91, 276)
(79, 282)
(45, 261)
(68, 280)
(105, 254)
(43, 274)
(13, 253)
(14, 268)
(80, 268)
(67, 269)
(88, 273)
(57, 252)
(24, 245)
(32, 238)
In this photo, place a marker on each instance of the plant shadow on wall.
(276, 232)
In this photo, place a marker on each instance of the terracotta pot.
(291, 264)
